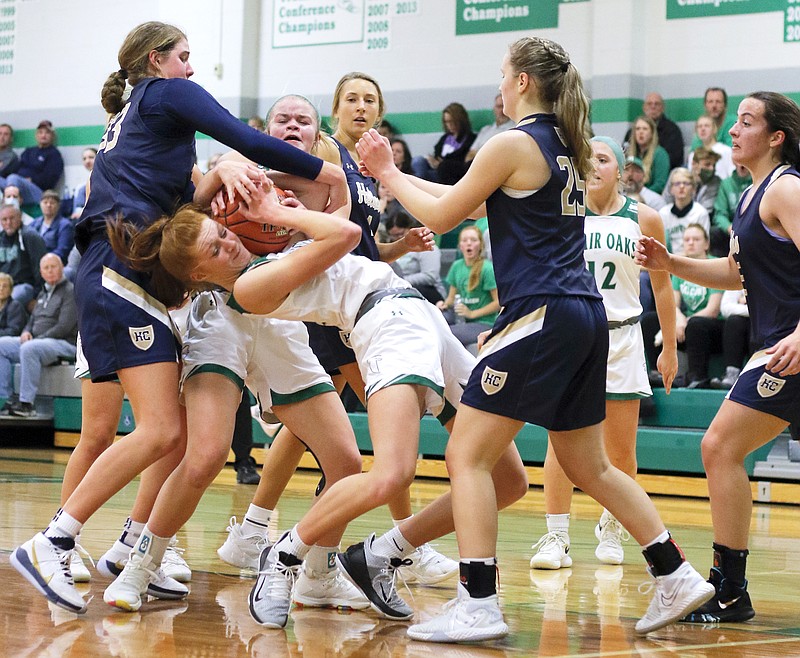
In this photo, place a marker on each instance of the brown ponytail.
(561, 86)
(163, 250)
(134, 60)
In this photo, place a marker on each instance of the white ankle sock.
(63, 525)
(392, 544)
(557, 522)
(256, 521)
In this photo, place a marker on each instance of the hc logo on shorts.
(142, 337)
(768, 385)
(492, 381)
(345, 336)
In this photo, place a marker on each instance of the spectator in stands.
(452, 146)
(730, 191)
(9, 160)
(669, 135)
(387, 130)
(256, 122)
(21, 249)
(41, 166)
(698, 324)
(473, 290)
(633, 181)
(736, 345)
(49, 335)
(683, 211)
(56, 231)
(12, 196)
(79, 195)
(706, 136)
(501, 123)
(715, 104)
(645, 146)
(12, 314)
(706, 181)
(402, 155)
(421, 269)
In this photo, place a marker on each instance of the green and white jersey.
(335, 296)
(610, 244)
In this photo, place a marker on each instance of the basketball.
(259, 239)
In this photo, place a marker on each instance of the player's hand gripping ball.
(259, 239)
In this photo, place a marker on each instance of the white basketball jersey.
(610, 244)
(335, 296)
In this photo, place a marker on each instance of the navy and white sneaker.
(44, 563)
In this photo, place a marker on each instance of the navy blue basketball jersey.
(144, 162)
(537, 237)
(137, 174)
(770, 268)
(364, 209)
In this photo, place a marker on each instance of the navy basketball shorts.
(766, 391)
(121, 324)
(331, 345)
(544, 363)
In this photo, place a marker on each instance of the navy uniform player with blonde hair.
(764, 259)
(545, 360)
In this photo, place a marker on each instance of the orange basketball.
(260, 239)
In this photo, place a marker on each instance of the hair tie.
(123, 74)
(565, 66)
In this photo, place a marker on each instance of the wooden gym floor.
(588, 610)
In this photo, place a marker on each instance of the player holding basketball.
(409, 358)
(358, 104)
(143, 167)
(223, 350)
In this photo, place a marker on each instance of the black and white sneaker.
(271, 596)
(22, 410)
(375, 575)
(730, 603)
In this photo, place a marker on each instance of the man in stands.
(669, 135)
(9, 161)
(21, 249)
(50, 334)
(41, 166)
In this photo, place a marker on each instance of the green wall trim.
(659, 449)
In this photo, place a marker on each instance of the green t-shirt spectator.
(694, 297)
(480, 296)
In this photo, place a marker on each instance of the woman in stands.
(408, 357)
(644, 145)
(145, 165)
(471, 278)
(545, 359)
(613, 224)
(358, 105)
(764, 260)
